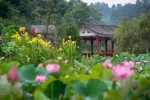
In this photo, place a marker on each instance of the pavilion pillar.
(112, 44)
(105, 46)
(91, 45)
(97, 44)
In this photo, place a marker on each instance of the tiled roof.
(101, 30)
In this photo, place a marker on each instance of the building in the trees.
(98, 39)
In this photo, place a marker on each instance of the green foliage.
(133, 35)
(82, 14)
(8, 90)
(83, 82)
(55, 89)
(6, 66)
(39, 95)
(64, 67)
(29, 79)
(6, 11)
(73, 32)
(93, 89)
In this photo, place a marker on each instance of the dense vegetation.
(133, 20)
(67, 17)
(133, 34)
(54, 12)
(33, 68)
(113, 15)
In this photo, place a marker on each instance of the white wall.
(85, 32)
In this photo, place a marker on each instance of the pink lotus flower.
(59, 58)
(66, 61)
(52, 68)
(130, 64)
(40, 78)
(40, 64)
(122, 72)
(107, 64)
(13, 75)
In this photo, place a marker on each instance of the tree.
(145, 4)
(6, 11)
(124, 36)
(82, 14)
(144, 32)
(133, 35)
(73, 31)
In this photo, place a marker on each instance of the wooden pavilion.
(98, 38)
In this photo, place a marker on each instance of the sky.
(111, 2)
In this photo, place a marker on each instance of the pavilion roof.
(101, 30)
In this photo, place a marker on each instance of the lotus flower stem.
(11, 97)
(52, 90)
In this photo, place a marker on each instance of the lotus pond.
(32, 69)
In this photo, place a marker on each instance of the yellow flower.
(30, 42)
(47, 44)
(69, 41)
(63, 43)
(28, 59)
(69, 37)
(16, 35)
(66, 76)
(40, 40)
(44, 43)
(34, 39)
(73, 42)
(19, 38)
(22, 28)
(26, 34)
(60, 49)
(66, 42)
(39, 35)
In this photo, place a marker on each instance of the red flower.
(32, 32)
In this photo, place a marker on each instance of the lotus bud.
(13, 75)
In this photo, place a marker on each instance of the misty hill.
(114, 14)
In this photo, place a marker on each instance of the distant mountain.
(113, 15)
